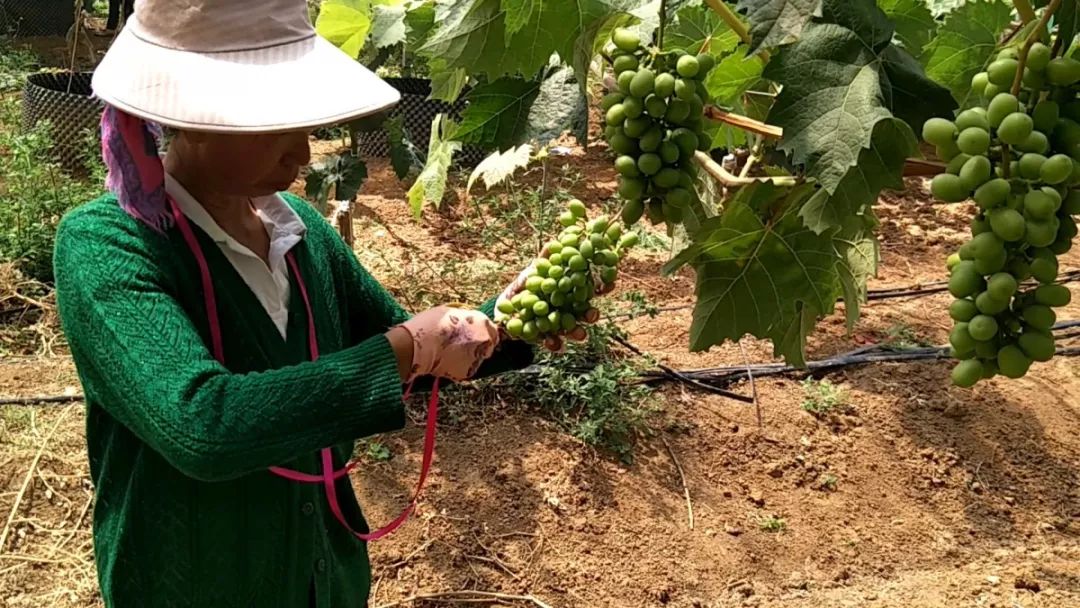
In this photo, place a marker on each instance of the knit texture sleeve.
(143, 360)
(370, 303)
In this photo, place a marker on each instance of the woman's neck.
(233, 213)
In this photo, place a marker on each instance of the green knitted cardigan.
(186, 513)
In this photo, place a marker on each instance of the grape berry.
(655, 125)
(564, 278)
(1003, 279)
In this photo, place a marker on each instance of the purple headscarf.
(129, 147)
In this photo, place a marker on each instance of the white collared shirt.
(270, 284)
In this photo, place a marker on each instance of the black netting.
(417, 112)
(72, 111)
(36, 17)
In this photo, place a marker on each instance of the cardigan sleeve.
(143, 360)
(369, 302)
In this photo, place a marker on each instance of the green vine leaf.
(734, 75)
(964, 44)
(342, 173)
(761, 271)
(915, 24)
(777, 22)
(345, 23)
(698, 29)
(473, 34)
(497, 112)
(837, 88)
(880, 166)
(430, 185)
(388, 25)
(446, 83)
(859, 254)
(419, 23)
(1067, 18)
(830, 102)
(910, 94)
(499, 166)
(519, 13)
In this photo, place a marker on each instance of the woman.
(223, 333)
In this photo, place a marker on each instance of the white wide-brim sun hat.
(234, 66)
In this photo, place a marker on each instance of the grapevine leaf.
(964, 44)
(698, 30)
(912, 96)
(419, 22)
(915, 25)
(761, 271)
(858, 251)
(469, 35)
(777, 22)
(344, 173)
(734, 75)
(447, 83)
(1067, 17)
(402, 155)
(830, 102)
(519, 13)
(880, 166)
(499, 166)
(388, 25)
(430, 185)
(345, 24)
(863, 17)
(472, 33)
(559, 106)
(351, 173)
(495, 117)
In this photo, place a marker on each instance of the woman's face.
(248, 164)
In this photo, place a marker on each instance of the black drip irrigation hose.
(912, 291)
(876, 353)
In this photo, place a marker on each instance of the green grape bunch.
(560, 284)
(655, 125)
(1018, 157)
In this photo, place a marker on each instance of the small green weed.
(827, 482)
(773, 523)
(901, 335)
(372, 450)
(632, 304)
(822, 397)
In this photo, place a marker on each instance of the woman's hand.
(554, 343)
(447, 342)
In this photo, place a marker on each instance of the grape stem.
(732, 20)
(663, 24)
(1032, 38)
(731, 180)
(743, 122)
(1025, 10)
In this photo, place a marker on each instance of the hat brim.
(301, 85)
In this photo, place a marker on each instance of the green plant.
(372, 450)
(34, 194)
(15, 64)
(772, 523)
(822, 397)
(901, 335)
(591, 391)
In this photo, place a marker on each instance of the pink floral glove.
(450, 342)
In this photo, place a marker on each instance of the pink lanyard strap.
(329, 475)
